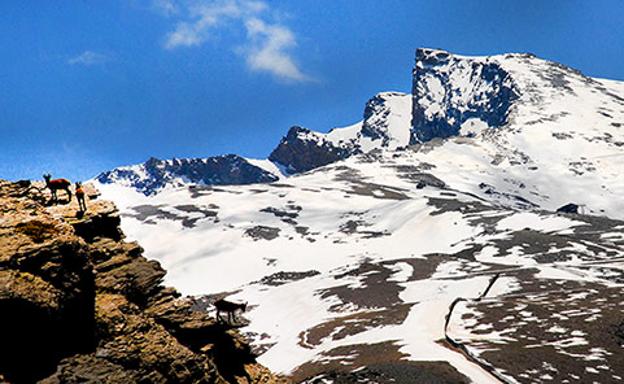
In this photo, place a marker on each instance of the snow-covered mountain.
(154, 175)
(368, 258)
(537, 133)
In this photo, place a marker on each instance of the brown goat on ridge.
(56, 184)
(230, 308)
(80, 196)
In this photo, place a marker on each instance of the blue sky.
(86, 86)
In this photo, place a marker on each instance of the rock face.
(450, 91)
(302, 150)
(386, 120)
(79, 304)
(155, 174)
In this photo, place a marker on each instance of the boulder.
(568, 208)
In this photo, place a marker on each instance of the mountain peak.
(302, 150)
(450, 90)
(431, 56)
(297, 129)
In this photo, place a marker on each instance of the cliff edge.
(79, 304)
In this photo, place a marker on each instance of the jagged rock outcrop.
(386, 120)
(155, 174)
(302, 150)
(79, 304)
(385, 124)
(449, 91)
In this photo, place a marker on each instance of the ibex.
(80, 196)
(56, 184)
(230, 308)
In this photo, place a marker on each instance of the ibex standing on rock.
(56, 184)
(80, 196)
(230, 308)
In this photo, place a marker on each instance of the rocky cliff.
(449, 91)
(80, 304)
(302, 150)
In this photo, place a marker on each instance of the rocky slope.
(350, 271)
(385, 124)
(79, 304)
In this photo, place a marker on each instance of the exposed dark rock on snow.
(377, 111)
(280, 278)
(569, 327)
(155, 174)
(302, 150)
(148, 214)
(440, 106)
(568, 208)
(261, 232)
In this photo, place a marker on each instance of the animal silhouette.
(55, 185)
(80, 196)
(230, 308)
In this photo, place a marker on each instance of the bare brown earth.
(341, 327)
(78, 304)
(380, 363)
(550, 331)
(366, 296)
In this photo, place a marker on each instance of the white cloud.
(89, 58)
(266, 48)
(203, 18)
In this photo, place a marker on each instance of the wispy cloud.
(167, 7)
(89, 58)
(268, 47)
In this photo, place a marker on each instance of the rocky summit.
(79, 304)
(302, 150)
(449, 90)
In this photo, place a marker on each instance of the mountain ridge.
(493, 97)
